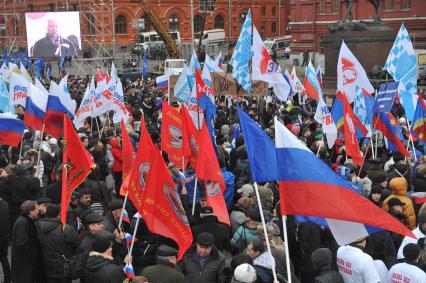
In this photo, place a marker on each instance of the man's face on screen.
(52, 29)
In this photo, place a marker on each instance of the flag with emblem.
(241, 56)
(351, 141)
(390, 128)
(76, 165)
(350, 74)
(401, 65)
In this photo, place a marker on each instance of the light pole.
(279, 17)
(192, 24)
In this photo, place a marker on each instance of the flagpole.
(39, 148)
(410, 138)
(268, 245)
(194, 197)
(287, 254)
(319, 147)
(134, 234)
(20, 150)
(372, 147)
(120, 221)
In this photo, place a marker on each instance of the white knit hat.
(245, 273)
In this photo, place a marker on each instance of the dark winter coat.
(212, 271)
(220, 231)
(309, 235)
(100, 268)
(321, 261)
(381, 246)
(23, 188)
(25, 254)
(55, 243)
(54, 192)
(164, 273)
(99, 191)
(4, 221)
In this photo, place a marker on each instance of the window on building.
(406, 4)
(274, 28)
(263, 11)
(173, 23)
(242, 18)
(121, 24)
(219, 22)
(262, 29)
(274, 11)
(91, 30)
(389, 5)
(51, 7)
(336, 6)
(323, 5)
(2, 26)
(198, 23)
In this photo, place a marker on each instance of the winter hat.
(266, 197)
(272, 229)
(205, 239)
(116, 204)
(375, 190)
(246, 190)
(101, 245)
(52, 210)
(380, 178)
(398, 184)
(53, 141)
(244, 203)
(245, 273)
(411, 252)
(97, 207)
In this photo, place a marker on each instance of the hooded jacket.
(321, 260)
(116, 153)
(100, 268)
(54, 243)
(248, 231)
(399, 190)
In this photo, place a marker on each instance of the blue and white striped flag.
(360, 109)
(241, 57)
(182, 90)
(212, 66)
(401, 65)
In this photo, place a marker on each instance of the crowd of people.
(92, 246)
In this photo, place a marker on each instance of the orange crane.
(171, 46)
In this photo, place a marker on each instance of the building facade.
(308, 19)
(109, 21)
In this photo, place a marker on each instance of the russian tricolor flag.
(35, 107)
(129, 271)
(11, 129)
(308, 187)
(125, 216)
(58, 103)
(163, 82)
(129, 238)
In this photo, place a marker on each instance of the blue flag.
(6, 58)
(242, 54)
(145, 65)
(385, 97)
(15, 58)
(23, 61)
(48, 71)
(260, 149)
(40, 65)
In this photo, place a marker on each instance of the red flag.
(100, 76)
(208, 170)
(163, 211)
(128, 155)
(171, 134)
(190, 138)
(199, 83)
(351, 140)
(140, 169)
(76, 165)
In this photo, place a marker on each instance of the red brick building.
(98, 17)
(308, 19)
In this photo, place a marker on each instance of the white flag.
(265, 69)
(323, 116)
(350, 73)
(86, 106)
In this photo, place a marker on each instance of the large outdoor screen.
(53, 34)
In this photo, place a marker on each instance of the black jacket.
(380, 245)
(321, 261)
(220, 231)
(4, 220)
(55, 242)
(211, 272)
(309, 235)
(25, 253)
(54, 192)
(23, 187)
(164, 273)
(100, 268)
